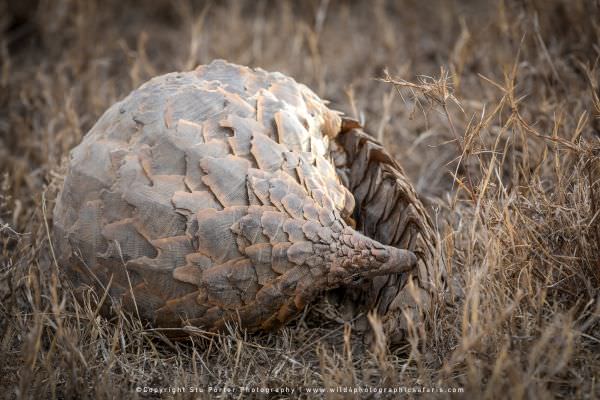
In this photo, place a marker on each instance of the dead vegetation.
(502, 143)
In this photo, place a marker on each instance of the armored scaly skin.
(389, 211)
(213, 195)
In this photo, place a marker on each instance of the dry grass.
(503, 144)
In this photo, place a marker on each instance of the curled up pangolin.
(234, 194)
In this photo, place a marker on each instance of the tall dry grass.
(492, 107)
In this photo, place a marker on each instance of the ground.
(493, 109)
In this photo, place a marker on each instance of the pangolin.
(234, 194)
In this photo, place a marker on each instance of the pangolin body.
(234, 194)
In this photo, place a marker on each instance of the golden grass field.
(493, 109)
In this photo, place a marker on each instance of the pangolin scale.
(234, 194)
